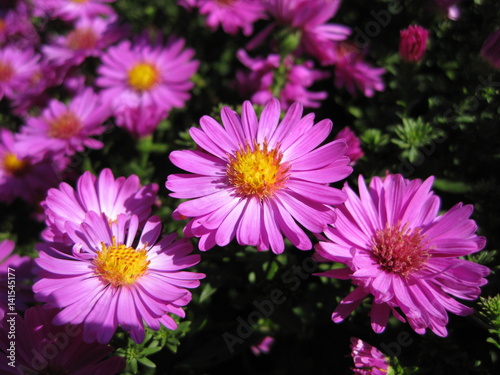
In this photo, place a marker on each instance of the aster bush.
(249, 186)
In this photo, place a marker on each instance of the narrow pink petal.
(348, 304)
(248, 230)
(198, 162)
(271, 230)
(150, 232)
(204, 205)
(207, 143)
(218, 134)
(193, 186)
(249, 121)
(227, 229)
(379, 316)
(308, 141)
(268, 122)
(232, 124)
(289, 227)
(320, 157)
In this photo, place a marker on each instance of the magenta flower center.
(6, 71)
(65, 126)
(82, 39)
(400, 250)
(143, 76)
(257, 172)
(15, 166)
(119, 265)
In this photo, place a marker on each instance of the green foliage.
(490, 308)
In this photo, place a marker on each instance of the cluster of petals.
(367, 359)
(110, 278)
(146, 79)
(289, 188)
(63, 129)
(450, 8)
(318, 37)
(230, 15)
(354, 151)
(399, 250)
(16, 68)
(104, 194)
(264, 73)
(46, 348)
(70, 10)
(22, 173)
(16, 27)
(88, 38)
(21, 267)
(353, 73)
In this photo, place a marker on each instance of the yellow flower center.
(256, 171)
(15, 166)
(119, 265)
(6, 71)
(400, 250)
(143, 76)
(81, 39)
(66, 126)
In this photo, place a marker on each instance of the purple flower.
(491, 49)
(413, 43)
(296, 79)
(66, 128)
(104, 194)
(147, 80)
(110, 279)
(16, 27)
(88, 38)
(354, 151)
(46, 348)
(69, 10)
(397, 249)
(367, 359)
(256, 178)
(22, 173)
(231, 15)
(16, 68)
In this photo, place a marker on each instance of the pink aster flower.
(66, 128)
(354, 151)
(16, 27)
(450, 8)
(146, 75)
(257, 178)
(232, 15)
(491, 49)
(295, 79)
(15, 275)
(16, 67)
(22, 173)
(355, 74)
(310, 17)
(110, 279)
(413, 43)
(69, 10)
(103, 194)
(88, 38)
(367, 359)
(398, 249)
(46, 348)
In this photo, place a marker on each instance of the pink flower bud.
(413, 43)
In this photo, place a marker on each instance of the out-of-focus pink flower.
(450, 8)
(318, 38)
(231, 15)
(104, 195)
(397, 249)
(354, 151)
(66, 128)
(265, 73)
(48, 348)
(263, 347)
(146, 79)
(19, 269)
(22, 173)
(69, 10)
(367, 359)
(255, 179)
(111, 278)
(16, 68)
(353, 73)
(16, 27)
(413, 43)
(89, 37)
(491, 49)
